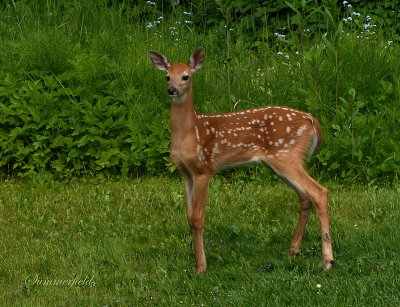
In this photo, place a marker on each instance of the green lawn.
(128, 243)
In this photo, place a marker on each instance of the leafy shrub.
(79, 96)
(47, 126)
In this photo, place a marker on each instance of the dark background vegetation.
(79, 97)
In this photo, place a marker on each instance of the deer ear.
(197, 59)
(159, 60)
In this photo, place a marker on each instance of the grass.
(128, 243)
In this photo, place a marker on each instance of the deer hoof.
(328, 264)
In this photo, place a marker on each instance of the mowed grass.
(127, 243)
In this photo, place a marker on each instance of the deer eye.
(185, 78)
(168, 78)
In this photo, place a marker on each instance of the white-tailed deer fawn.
(280, 137)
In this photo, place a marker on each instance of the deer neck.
(183, 121)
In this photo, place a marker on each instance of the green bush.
(50, 127)
(80, 97)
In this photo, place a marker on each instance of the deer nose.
(172, 91)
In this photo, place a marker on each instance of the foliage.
(386, 14)
(49, 126)
(71, 106)
(260, 20)
(79, 96)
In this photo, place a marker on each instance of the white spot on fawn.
(197, 133)
(289, 117)
(215, 151)
(283, 151)
(300, 131)
(288, 129)
(200, 153)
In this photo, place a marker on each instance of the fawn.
(203, 143)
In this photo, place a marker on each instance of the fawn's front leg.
(195, 215)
